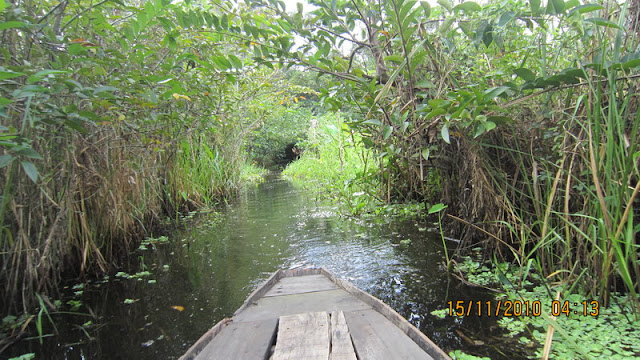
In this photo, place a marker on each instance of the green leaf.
(284, 25)
(367, 142)
(582, 9)
(484, 33)
(427, 8)
(525, 74)
(624, 66)
(445, 4)
(4, 75)
(506, 17)
(480, 129)
(373, 122)
(101, 89)
(28, 152)
(237, 63)
(492, 93)
(446, 24)
(468, 7)
(406, 8)
(603, 22)
(435, 112)
(487, 37)
(489, 125)
(387, 132)
(28, 356)
(75, 124)
(557, 7)
(425, 153)
(40, 75)
(404, 126)
(76, 49)
(31, 170)
(535, 6)
(224, 22)
(3, 5)
(5, 160)
(445, 133)
(11, 25)
(437, 208)
(222, 62)
(395, 58)
(424, 83)
(570, 4)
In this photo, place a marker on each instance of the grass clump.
(252, 173)
(336, 164)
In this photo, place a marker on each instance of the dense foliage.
(118, 113)
(528, 111)
(114, 115)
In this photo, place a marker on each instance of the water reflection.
(210, 269)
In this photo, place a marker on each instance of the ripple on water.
(214, 268)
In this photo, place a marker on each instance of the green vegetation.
(335, 162)
(519, 116)
(612, 331)
(112, 121)
(252, 173)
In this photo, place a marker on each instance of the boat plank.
(368, 329)
(416, 335)
(375, 337)
(301, 284)
(276, 306)
(241, 340)
(303, 337)
(341, 345)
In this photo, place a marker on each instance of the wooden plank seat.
(314, 336)
(310, 314)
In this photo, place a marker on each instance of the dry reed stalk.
(549, 338)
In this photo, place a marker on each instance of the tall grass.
(98, 192)
(572, 199)
(201, 174)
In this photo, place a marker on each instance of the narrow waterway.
(204, 273)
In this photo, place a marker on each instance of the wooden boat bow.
(311, 314)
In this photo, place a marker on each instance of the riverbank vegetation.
(335, 164)
(112, 121)
(520, 116)
(526, 110)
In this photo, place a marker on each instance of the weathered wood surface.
(341, 345)
(204, 340)
(375, 337)
(376, 330)
(303, 337)
(396, 319)
(301, 284)
(276, 306)
(249, 340)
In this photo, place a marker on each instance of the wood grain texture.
(241, 340)
(332, 295)
(261, 290)
(341, 345)
(303, 337)
(375, 337)
(396, 319)
(204, 340)
(276, 306)
(300, 285)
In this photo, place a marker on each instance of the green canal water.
(208, 270)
